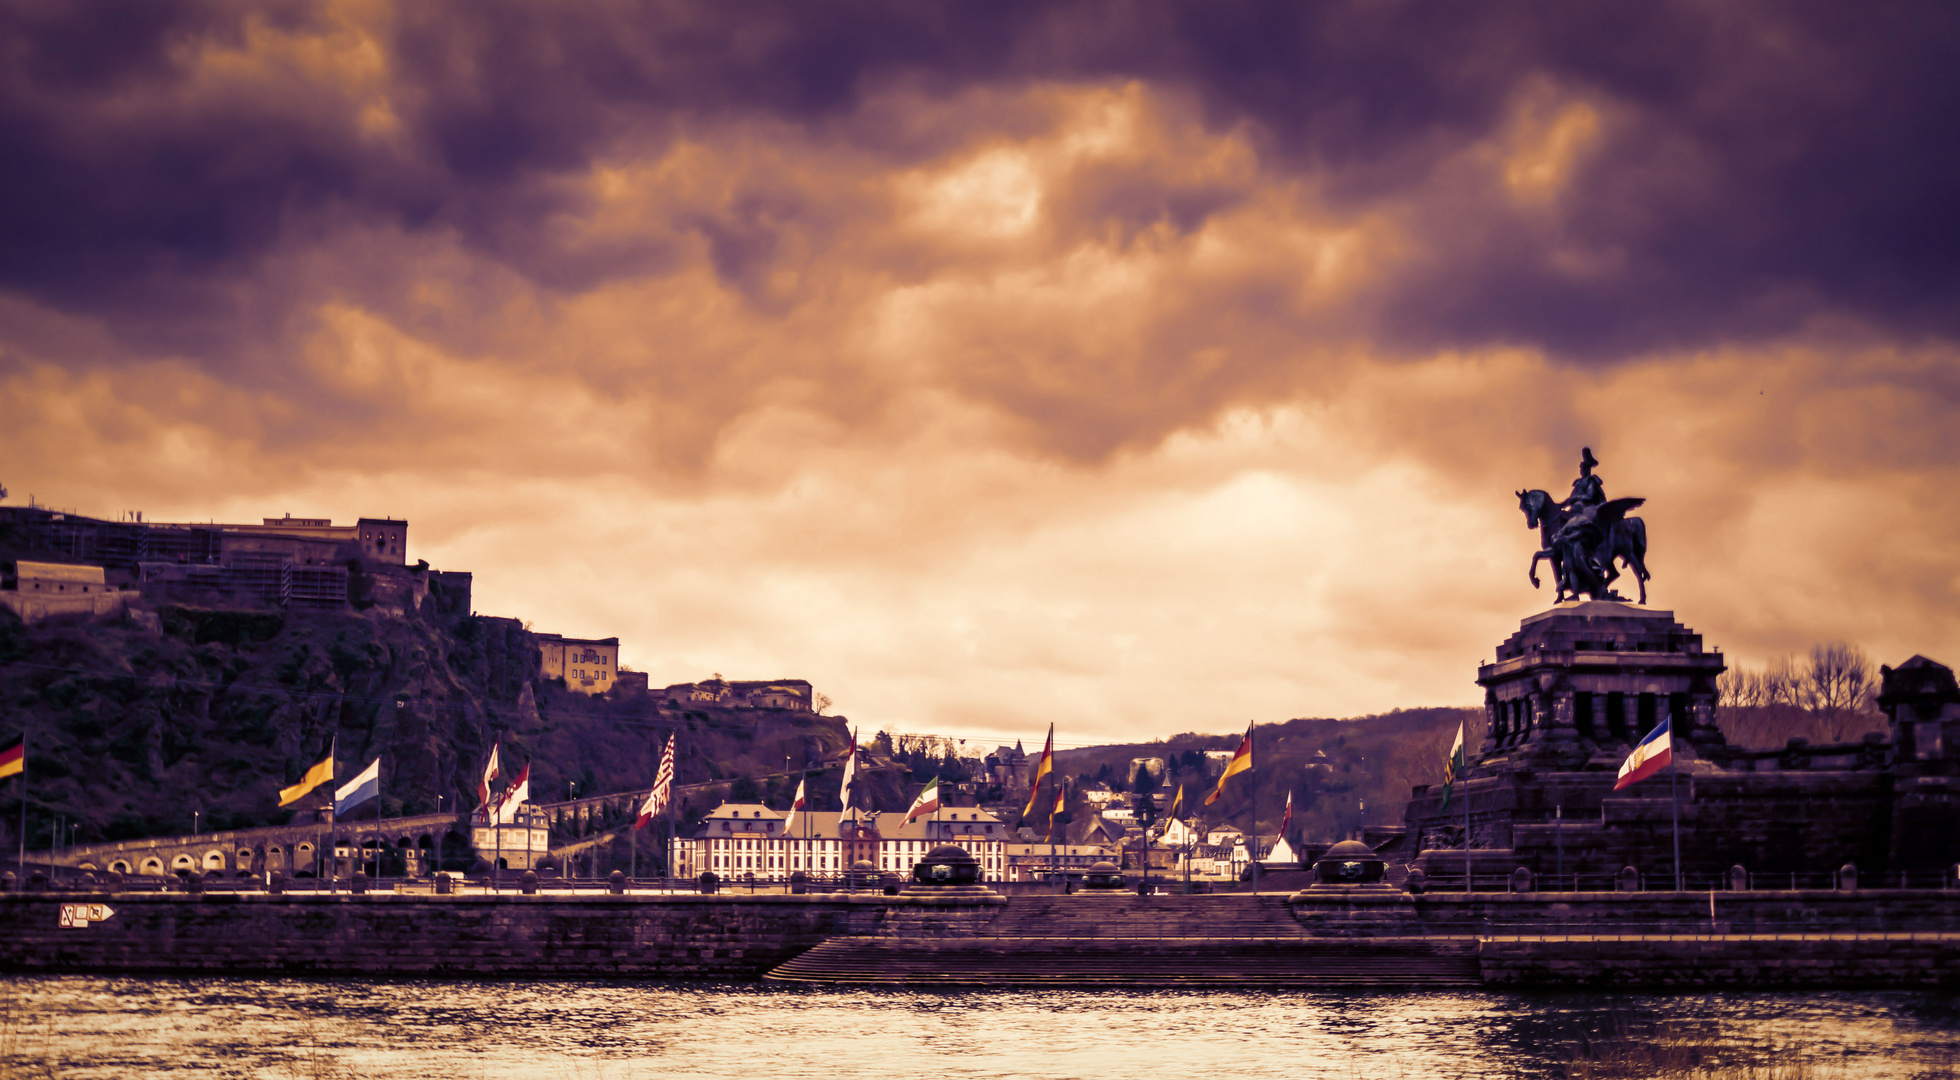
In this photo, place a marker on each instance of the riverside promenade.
(1794, 939)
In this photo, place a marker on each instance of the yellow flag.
(1241, 762)
(1047, 763)
(315, 776)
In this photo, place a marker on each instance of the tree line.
(1827, 696)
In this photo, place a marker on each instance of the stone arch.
(214, 860)
(275, 859)
(153, 866)
(120, 866)
(246, 858)
(183, 864)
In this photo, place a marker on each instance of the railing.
(1694, 881)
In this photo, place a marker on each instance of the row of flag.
(363, 788)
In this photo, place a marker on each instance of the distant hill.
(1371, 760)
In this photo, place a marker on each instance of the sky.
(1144, 368)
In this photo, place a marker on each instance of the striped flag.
(1177, 801)
(1041, 769)
(13, 758)
(1453, 768)
(321, 773)
(926, 803)
(1651, 756)
(663, 788)
(359, 790)
(1286, 820)
(1241, 762)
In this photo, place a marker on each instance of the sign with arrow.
(78, 916)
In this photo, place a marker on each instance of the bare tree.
(1836, 682)
(822, 702)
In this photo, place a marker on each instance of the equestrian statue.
(1585, 536)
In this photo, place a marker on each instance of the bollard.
(358, 884)
(1629, 880)
(1738, 879)
(445, 885)
(193, 883)
(1416, 880)
(528, 884)
(9, 882)
(616, 883)
(1521, 880)
(275, 883)
(1847, 878)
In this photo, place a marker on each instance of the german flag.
(1041, 769)
(13, 757)
(1241, 762)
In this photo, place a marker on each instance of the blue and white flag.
(358, 790)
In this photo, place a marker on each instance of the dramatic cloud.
(1142, 366)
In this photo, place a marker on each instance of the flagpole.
(1674, 791)
(23, 809)
(1252, 758)
(377, 817)
(1051, 845)
(1466, 822)
(333, 811)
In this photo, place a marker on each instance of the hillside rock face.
(132, 725)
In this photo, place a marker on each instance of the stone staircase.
(1120, 939)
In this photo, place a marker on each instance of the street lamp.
(195, 815)
(441, 827)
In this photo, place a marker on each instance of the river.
(88, 1026)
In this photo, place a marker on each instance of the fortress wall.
(388, 934)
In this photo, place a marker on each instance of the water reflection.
(103, 1027)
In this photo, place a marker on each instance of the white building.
(1177, 834)
(737, 840)
(517, 845)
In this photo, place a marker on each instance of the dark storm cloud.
(1760, 164)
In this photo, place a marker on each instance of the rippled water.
(109, 1027)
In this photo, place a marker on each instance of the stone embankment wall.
(1755, 962)
(678, 937)
(1735, 911)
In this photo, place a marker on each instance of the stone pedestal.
(1578, 685)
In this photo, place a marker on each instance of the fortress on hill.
(1570, 694)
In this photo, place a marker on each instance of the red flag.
(1286, 819)
(795, 808)
(518, 793)
(490, 774)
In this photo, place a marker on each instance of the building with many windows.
(588, 665)
(739, 840)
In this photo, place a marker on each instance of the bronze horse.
(1622, 539)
